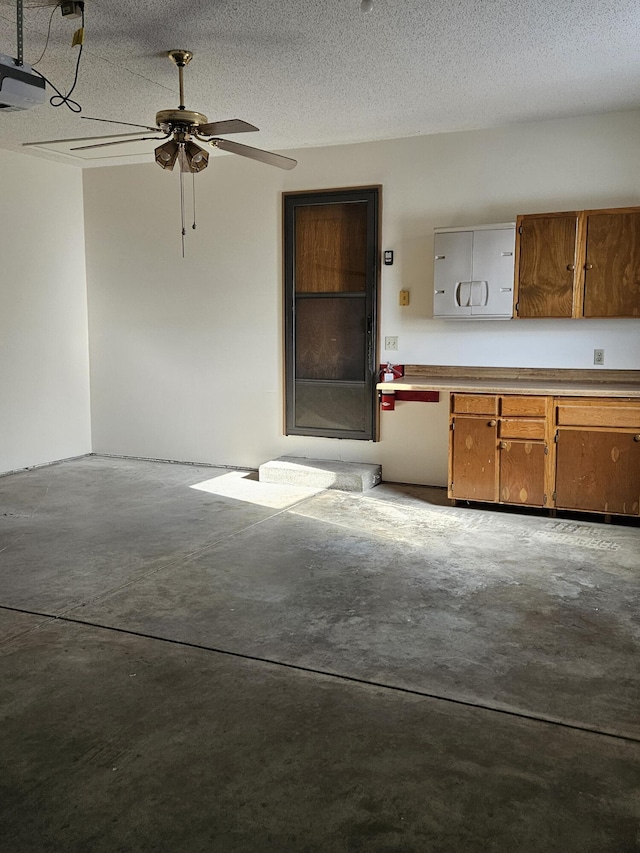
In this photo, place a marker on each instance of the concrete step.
(321, 473)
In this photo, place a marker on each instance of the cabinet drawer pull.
(636, 437)
(571, 267)
(588, 266)
(503, 445)
(493, 422)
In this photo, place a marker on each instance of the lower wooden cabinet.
(598, 455)
(473, 458)
(522, 465)
(499, 452)
(570, 453)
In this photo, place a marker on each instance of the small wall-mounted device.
(388, 257)
(404, 297)
(71, 9)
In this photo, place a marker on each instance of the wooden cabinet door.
(473, 458)
(547, 267)
(612, 267)
(522, 465)
(598, 471)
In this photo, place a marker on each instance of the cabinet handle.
(571, 267)
(588, 266)
(503, 445)
(636, 437)
(493, 422)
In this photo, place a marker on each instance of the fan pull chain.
(193, 176)
(182, 208)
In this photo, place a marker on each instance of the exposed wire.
(46, 44)
(96, 56)
(59, 99)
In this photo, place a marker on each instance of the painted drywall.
(44, 355)
(186, 354)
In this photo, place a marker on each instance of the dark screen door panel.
(331, 282)
(331, 248)
(329, 406)
(331, 339)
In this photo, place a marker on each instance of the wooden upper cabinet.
(612, 265)
(578, 264)
(547, 267)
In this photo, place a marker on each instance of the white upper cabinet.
(473, 272)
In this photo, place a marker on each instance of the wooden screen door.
(331, 285)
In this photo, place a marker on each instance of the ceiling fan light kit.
(180, 128)
(167, 154)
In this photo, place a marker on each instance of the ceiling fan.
(180, 127)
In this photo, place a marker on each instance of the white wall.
(186, 354)
(44, 359)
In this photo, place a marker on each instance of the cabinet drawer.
(521, 428)
(600, 413)
(523, 406)
(475, 404)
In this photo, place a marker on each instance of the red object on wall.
(388, 398)
(388, 402)
(419, 396)
(396, 369)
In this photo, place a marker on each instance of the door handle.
(479, 293)
(459, 297)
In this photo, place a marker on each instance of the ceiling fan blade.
(254, 153)
(85, 138)
(118, 142)
(219, 128)
(111, 121)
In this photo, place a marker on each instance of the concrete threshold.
(321, 473)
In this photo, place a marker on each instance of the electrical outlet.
(598, 356)
(391, 343)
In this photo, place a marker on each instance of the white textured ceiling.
(320, 72)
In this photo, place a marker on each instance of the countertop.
(483, 380)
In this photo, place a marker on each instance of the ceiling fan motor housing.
(168, 119)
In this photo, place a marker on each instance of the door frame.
(372, 195)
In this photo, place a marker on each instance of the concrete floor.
(191, 661)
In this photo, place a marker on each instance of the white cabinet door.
(492, 282)
(452, 274)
